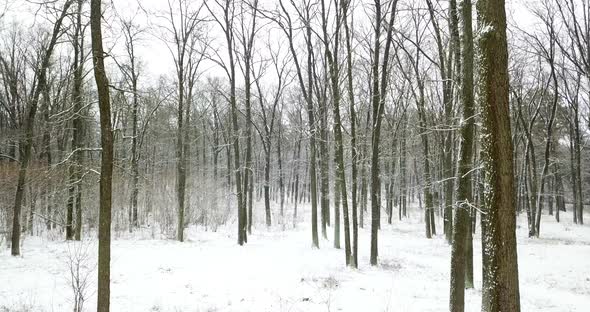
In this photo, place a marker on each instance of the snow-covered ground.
(279, 271)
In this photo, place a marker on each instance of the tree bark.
(461, 229)
(106, 163)
(500, 291)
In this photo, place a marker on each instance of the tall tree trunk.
(312, 138)
(500, 290)
(134, 160)
(337, 197)
(378, 107)
(445, 68)
(186, 151)
(267, 185)
(296, 170)
(403, 202)
(306, 89)
(249, 172)
(180, 156)
(324, 168)
(364, 189)
(106, 163)
(353, 146)
(579, 202)
(216, 151)
(47, 153)
(573, 173)
(461, 229)
(77, 136)
(281, 178)
(340, 165)
(375, 101)
(455, 53)
(548, 143)
(428, 199)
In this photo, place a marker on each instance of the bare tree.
(246, 36)
(225, 22)
(345, 4)
(269, 108)
(331, 50)
(29, 123)
(106, 161)
(459, 270)
(75, 175)
(379, 85)
(285, 22)
(132, 72)
(185, 30)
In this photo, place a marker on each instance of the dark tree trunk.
(296, 170)
(378, 107)
(324, 169)
(353, 146)
(281, 178)
(267, 187)
(337, 197)
(77, 135)
(106, 165)
(460, 271)
(500, 290)
(376, 102)
(403, 201)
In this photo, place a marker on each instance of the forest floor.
(279, 271)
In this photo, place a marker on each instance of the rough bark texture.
(500, 291)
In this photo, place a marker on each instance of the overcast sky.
(155, 56)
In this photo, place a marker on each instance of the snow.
(279, 271)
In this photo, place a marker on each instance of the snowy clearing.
(279, 271)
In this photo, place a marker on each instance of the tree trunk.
(548, 145)
(460, 272)
(312, 136)
(500, 290)
(106, 165)
(375, 101)
(77, 136)
(267, 186)
(353, 147)
(579, 202)
(403, 202)
(378, 107)
(324, 169)
(281, 182)
(180, 156)
(296, 169)
(340, 189)
(337, 197)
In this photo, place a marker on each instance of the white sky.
(154, 54)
